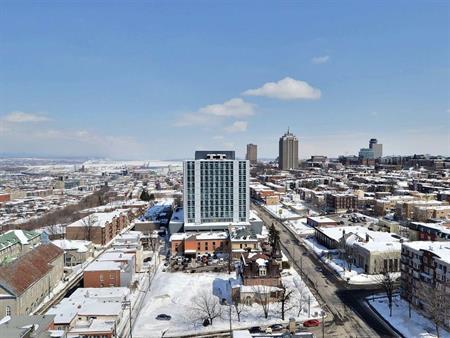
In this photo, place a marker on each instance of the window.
(101, 277)
(8, 310)
(262, 271)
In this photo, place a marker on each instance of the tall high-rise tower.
(252, 153)
(216, 191)
(376, 147)
(288, 151)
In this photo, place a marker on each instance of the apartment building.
(216, 191)
(425, 277)
(99, 228)
(338, 202)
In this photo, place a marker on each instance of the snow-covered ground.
(355, 275)
(280, 212)
(171, 293)
(416, 326)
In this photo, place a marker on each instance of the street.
(347, 313)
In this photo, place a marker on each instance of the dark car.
(277, 327)
(311, 323)
(318, 269)
(305, 254)
(163, 316)
(255, 329)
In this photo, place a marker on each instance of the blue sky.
(157, 80)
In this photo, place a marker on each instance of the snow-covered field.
(355, 275)
(416, 326)
(172, 293)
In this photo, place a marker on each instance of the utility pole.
(125, 304)
(323, 324)
(229, 306)
(309, 306)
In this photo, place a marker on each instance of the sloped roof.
(12, 237)
(19, 275)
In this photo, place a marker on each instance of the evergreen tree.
(145, 196)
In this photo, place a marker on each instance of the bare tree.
(285, 300)
(88, 223)
(263, 298)
(439, 302)
(408, 294)
(387, 281)
(239, 308)
(206, 306)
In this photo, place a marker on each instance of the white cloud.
(286, 89)
(317, 60)
(237, 126)
(236, 107)
(21, 117)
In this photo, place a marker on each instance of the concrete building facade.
(288, 151)
(252, 153)
(216, 191)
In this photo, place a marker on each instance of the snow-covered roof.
(440, 249)
(336, 233)
(90, 301)
(98, 219)
(103, 266)
(78, 245)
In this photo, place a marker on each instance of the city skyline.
(118, 81)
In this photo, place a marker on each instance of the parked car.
(311, 323)
(269, 330)
(277, 327)
(305, 254)
(255, 329)
(163, 316)
(318, 269)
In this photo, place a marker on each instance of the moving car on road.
(311, 323)
(163, 316)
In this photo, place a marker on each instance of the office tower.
(366, 154)
(376, 147)
(216, 191)
(252, 153)
(288, 152)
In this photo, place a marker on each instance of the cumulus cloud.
(235, 107)
(237, 126)
(286, 89)
(317, 60)
(21, 117)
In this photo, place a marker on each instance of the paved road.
(347, 313)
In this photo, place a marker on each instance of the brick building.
(99, 228)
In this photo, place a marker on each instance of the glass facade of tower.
(216, 191)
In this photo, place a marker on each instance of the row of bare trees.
(206, 307)
(70, 213)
